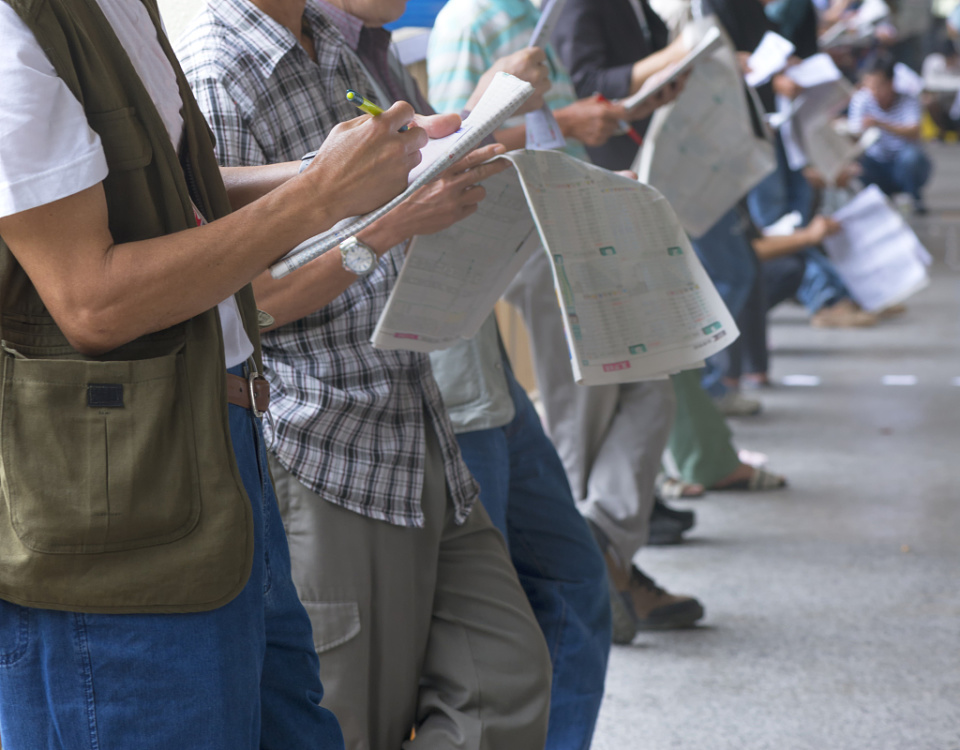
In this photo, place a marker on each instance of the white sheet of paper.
(636, 302)
(635, 299)
(877, 254)
(451, 280)
(543, 131)
(502, 98)
(906, 80)
(549, 15)
(814, 71)
(769, 58)
(701, 152)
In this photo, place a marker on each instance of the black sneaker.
(668, 524)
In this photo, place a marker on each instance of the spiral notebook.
(501, 99)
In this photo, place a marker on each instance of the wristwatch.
(357, 257)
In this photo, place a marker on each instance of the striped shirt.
(349, 419)
(469, 36)
(905, 111)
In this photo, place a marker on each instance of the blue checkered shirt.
(349, 419)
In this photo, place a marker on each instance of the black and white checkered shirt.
(349, 419)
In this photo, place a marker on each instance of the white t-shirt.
(47, 149)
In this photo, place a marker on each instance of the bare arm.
(651, 64)
(103, 295)
(908, 132)
(814, 233)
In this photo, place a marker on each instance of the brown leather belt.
(247, 392)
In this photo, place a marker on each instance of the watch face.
(358, 258)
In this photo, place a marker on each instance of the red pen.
(626, 126)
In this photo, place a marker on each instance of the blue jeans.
(782, 191)
(240, 677)
(731, 264)
(821, 285)
(908, 172)
(525, 491)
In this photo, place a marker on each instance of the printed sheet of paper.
(816, 70)
(502, 98)
(877, 254)
(451, 280)
(768, 59)
(636, 302)
(543, 132)
(808, 124)
(702, 151)
(700, 49)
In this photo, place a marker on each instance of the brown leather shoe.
(657, 609)
(844, 314)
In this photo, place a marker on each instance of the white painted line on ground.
(803, 381)
(899, 380)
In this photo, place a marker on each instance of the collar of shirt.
(372, 46)
(265, 39)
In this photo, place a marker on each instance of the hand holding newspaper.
(700, 50)
(635, 300)
(876, 253)
(501, 99)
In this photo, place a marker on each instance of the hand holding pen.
(365, 105)
(627, 128)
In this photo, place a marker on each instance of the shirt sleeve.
(582, 45)
(912, 111)
(47, 149)
(455, 62)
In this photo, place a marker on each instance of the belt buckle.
(252, 376)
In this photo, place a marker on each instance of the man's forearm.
(246, 184)
(908, 132)
(107, 294)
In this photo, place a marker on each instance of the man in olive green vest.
(145, 591)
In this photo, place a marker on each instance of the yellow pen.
(365, 105)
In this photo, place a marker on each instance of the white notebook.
(501, 99)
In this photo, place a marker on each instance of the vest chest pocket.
(124, 140)
(98, 456)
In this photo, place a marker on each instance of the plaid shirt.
(471, 35)
(349, 419)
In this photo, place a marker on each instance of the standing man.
(611, 438)
(145, 591)
(418, 615)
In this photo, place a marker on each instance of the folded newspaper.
(703, 151)
(502, 98)
(636, 302)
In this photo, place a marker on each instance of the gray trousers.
(611, 437)
(418, 628)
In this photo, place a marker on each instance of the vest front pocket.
(98, 456)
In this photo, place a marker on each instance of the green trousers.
(701, 441)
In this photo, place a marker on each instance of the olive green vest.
(120, 491)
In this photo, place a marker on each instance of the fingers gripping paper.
(635, 300)
(702, 151)
(501, 99)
